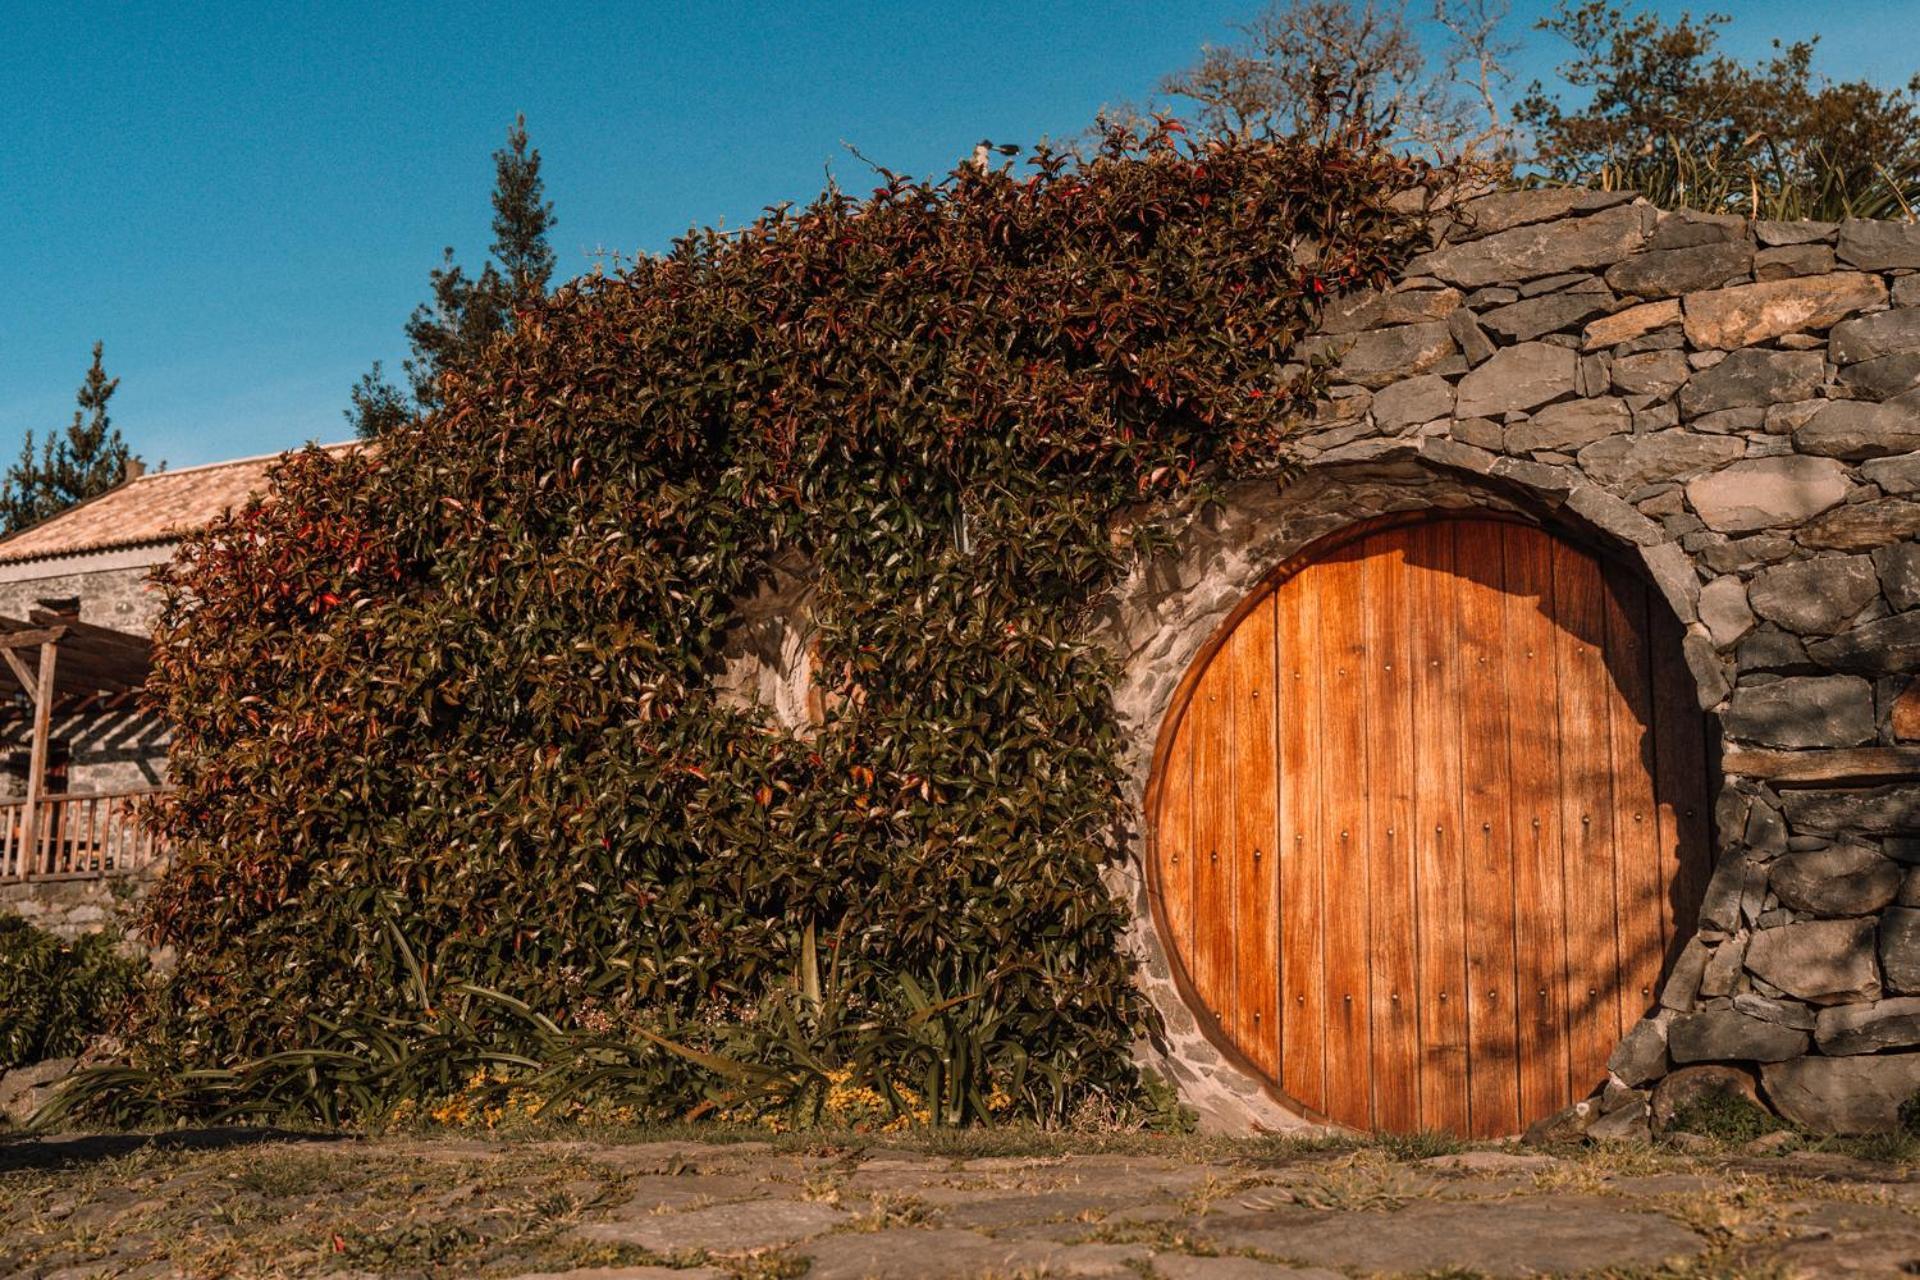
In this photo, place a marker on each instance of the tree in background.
(1333, 69)
(89, 459)
(1665, 115)
(466, 312)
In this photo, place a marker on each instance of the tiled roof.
(158, 507)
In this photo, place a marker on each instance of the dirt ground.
(849, 1207)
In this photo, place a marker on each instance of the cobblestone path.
(240, 1203)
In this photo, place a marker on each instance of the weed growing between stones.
(1725, 1116)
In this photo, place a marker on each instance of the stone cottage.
(79, 747)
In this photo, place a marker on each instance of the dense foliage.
(1661, 112)
(455, 789)
(56, 995)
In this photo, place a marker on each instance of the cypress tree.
(89, 459)
(465, 312)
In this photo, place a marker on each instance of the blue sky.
(243, 200)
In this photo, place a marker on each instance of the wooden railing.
(80, 837)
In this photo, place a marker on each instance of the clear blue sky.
(243, 200)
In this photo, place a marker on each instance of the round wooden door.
(1428, 821)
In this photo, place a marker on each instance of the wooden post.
(37, 762)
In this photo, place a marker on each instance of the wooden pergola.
(53, 657)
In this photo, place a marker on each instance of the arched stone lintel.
(1170, 605)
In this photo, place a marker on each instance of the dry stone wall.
(1736, 406)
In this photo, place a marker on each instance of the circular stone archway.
(1427, 819)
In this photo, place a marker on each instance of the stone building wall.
(116, 745)
(1735, 407)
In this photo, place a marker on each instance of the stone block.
(1863, 526)
(1900, 949)
(1672, 571)
(1723, 607)
(1884, 377)
(1750, 313)
(1815, 597)
(1413, 400)
(1858, 430)
(1667, 273)
(1768, 493)
(1892, 809)
(1876, 245)
(1820, 961)
(1650, 373)
(1787, 261)
(1373, 309)
(1884, 333)
(1890, 646)
(1541, 249)
(1766, 833)
(1679, 228)
(1517, 378)
(1481, 433)
(1682, 988)
(1788, 1013)
(1899, 569)
(1905, 721)
(1708, 671)
(1727, 1035)
(1534, 317)
(1771, 649)
(1778, 233)
(1843, 1095)
(1504, 210)
(1754, 378)
(1629, 462)
(1849, 878)
(1641, 1054)
(1475, 346)
(1720, 905)
(1634, 322)
(1611, 515)
(1381, 356)
(1802, 711)
(1869, 1028)
(1569, 425)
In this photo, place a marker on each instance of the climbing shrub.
(455, 792)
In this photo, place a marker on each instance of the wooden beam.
(21, 671)
(37, 762)
(30, 637)
(1819, 768)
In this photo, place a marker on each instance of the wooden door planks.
(1486, 824)
(1640, 919)
(1348, 1030)
(1390, 773)
(1440, 925)
(1429, 821)
(1251, 663)
(1302, 839)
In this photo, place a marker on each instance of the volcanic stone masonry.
(1736, 406)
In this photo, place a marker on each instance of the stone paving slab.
(1502, 1238)
(747, 1227)
(1218, 1210)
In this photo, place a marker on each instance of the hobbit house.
(1548, 742)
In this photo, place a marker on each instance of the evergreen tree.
(466, 312)
(88, 460)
